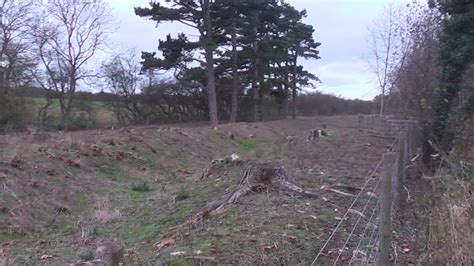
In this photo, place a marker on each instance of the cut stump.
(256, 177)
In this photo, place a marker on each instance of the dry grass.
(104, 217)
(56, 193)
(451, 240)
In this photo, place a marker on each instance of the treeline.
(157, 105)
(244, 65)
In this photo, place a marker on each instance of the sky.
(340, 25)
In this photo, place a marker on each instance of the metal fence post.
(385, 227)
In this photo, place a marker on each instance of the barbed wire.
(347, 212)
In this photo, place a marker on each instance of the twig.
(339, 192)
(5, 188)
(395, 253)
(408, 194)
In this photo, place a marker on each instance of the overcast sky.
(340, 25)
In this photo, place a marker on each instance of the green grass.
(182, 195)
(247, 145)
(141, 187)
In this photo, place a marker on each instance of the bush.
(85, 254)
(182, 195)
(141, 187)
(13, 112)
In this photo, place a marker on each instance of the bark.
(255, 74)
(285, 104)
(211, 79)
(256, 177)
(235, 78)
(293, 88)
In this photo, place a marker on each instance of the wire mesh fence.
(363, 234)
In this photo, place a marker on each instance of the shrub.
(182, 195)
(141, 187)
(85, 254)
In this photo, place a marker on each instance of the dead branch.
(211, 170)
(339, 192)
(6, 188)
(201, 258)
(444, 156)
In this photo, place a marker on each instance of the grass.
(182, 195)
(155, 197)
(247, 144)
(141, 187)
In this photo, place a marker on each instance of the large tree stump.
(257, 176)
(4, 258)
(110, 253)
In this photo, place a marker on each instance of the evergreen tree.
(178, 52)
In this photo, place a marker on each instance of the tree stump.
(4, 258)
(257, 176)
(110, 253)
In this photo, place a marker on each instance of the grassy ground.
(64, 195)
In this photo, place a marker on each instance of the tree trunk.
(293, 87)
(211, 79)
(235, 78)
(293, 96)
(255, 77)
(285, 102)
(382, 101)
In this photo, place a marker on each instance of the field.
(100, 113)
(65, 193)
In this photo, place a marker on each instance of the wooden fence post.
(409, 137)
(385, 227)
(400, 170)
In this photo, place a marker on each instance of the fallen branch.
(339, 192)
(201, 258)
(408, 194)
(444, 156)
(5, 188)
(212, 170)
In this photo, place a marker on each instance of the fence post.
(385, 227)
(400, 172)
(409, 138)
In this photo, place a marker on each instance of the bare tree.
(68, 35)
(421, 73)
(122, 74)
(389, 43)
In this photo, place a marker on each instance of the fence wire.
(351, 209)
